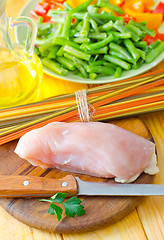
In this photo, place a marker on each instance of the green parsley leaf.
(73, 207)
(59, 197)
(54, 209)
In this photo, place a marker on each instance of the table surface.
(145, 222)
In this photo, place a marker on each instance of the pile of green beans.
(90, 43)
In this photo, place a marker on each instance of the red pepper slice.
(150, 39)
(40, 10)
(159, 9)
(127, 18)
(34, 14)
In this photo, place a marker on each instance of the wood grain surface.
(34, 213)
(145, 222)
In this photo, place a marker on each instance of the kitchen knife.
(29, 186)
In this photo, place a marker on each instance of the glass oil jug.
(20, 68)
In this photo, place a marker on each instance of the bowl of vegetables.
(94, 42)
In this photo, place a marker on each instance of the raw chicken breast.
(94, 148)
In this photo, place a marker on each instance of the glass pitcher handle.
(31, 33)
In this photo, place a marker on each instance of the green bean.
(81, 40)
(72, 32)
(74, 25)
(79, 26)
(67, 6)
(48, 41)
(134, 36)
(40, 20)
(79, 16)
(105, 17)
(142, 53)
(60, 52)
(97, 20)
(138, 64)
(107, 4)
(143, 28)
(54, 66)
(107, 26)
(36, 51)
(53, 52)
(155, 44)
(67, 26)
(44, 28)
(118, 72)
(120, 49)
(101, 43)
(98, 36)
(80, 8)
(44, 50)
(86, 26)
(95, 58)
(93, 76)
(92, 9)
(62, 41)
(45, 47)
(109, 64)
(119, 55)
(119, 35)
(141, 44)
(120, 27)
(67, 63)
(58, 19)
(94, 25)
(83, 63)
(144, 23)
(54, 12)
(77, 53)
(136, 30)
(102, 50)
(69, 56)
(97, 63)
(154, 53)
(131, 48)
(118, 62)
(100, 69)
(80, 67)
(59, 30)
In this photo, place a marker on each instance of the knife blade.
(30, 186)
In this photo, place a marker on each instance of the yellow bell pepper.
(154, 20)
(116, 2)
(137, 8)
(149, 3)
(74, 3)
(133, 7)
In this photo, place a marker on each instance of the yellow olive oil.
(20, 77)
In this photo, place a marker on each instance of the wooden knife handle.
(29, 186)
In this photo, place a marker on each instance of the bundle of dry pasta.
(138, 95)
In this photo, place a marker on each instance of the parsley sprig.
(72, 205)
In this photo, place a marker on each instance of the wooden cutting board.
(100, 211)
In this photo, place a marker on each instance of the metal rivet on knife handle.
(64, 184)
(26, 183)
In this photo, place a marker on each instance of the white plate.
(20, 33)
